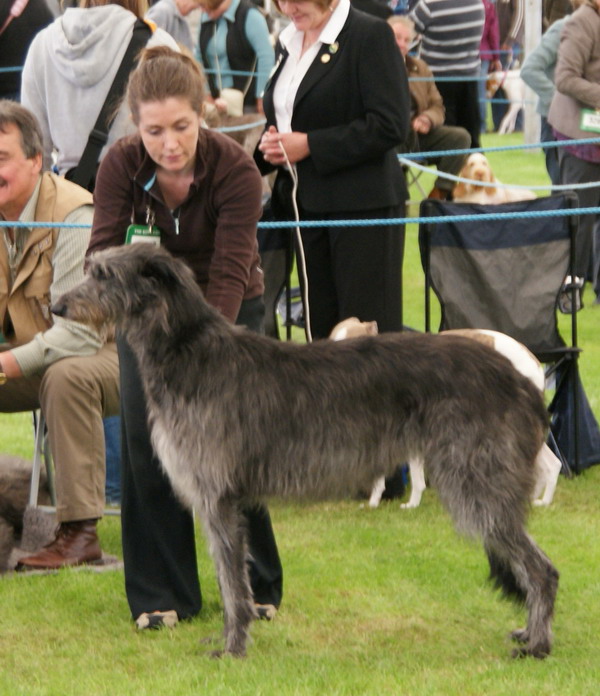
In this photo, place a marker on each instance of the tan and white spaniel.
(477, 168)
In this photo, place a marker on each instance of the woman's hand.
(273, 144)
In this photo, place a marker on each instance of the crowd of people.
(112, 100)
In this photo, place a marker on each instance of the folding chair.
(506, 275)
(412, 179)
(42, 455)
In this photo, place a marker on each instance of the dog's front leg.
(377, 492)
(547, 466)
(225, 529)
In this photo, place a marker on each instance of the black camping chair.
(506, 275)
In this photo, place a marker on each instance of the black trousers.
(587, 258)
(354, 271)
(159, 549)
(461, 100)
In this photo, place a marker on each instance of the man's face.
(18, 175)
(403, 37)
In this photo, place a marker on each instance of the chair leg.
(41, 451)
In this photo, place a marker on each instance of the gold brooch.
(325, 58)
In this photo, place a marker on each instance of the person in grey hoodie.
(68, 72)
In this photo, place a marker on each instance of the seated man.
(61, 366)
(427, 113)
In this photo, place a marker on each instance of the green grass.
(376, 601)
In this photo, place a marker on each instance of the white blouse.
(296, 66)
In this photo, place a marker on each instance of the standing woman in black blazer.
(338, 105)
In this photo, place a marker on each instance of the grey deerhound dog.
(236, 417)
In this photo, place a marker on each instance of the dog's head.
(493, 82)
(129, 283)
(353, 327)
(476, 168)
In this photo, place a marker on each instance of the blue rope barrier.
(482, 217)
(244, 126)
(498, 184)
(500, 148)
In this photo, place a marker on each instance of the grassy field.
(376, 601)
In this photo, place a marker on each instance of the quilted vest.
(25, 308)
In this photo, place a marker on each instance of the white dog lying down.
(514, 88)
(547, 464)
(477, 168)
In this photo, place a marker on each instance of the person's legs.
(159, 548)
(322, 298)
(264, 565)
(367, 267)
(468, 111)
(481, 89)
(446, 138)
(20, 394)
(550, 153)
(450, 96)
(112, 441)
(596, 259)
(461, 101)
(575, 171)
(75, 393)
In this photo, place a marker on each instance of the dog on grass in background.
(547, 464)
(478, 169)
(236, 417)
(15, 484)
(514, 88)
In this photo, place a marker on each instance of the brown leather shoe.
(75, 543)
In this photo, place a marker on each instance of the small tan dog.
(477, 168)
(548, 466)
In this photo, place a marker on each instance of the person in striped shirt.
(451, 33)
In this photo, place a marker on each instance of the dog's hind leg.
(548, 467)
(485, 483)
(521, 570)
(417, 483)
(225, 529)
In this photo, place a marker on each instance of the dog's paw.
(219, 654)
(520, 635)
(540, 652)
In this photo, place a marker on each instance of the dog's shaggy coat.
(236, 417)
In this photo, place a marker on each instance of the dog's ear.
(162, 269)
(460, 190)
(492, 190)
